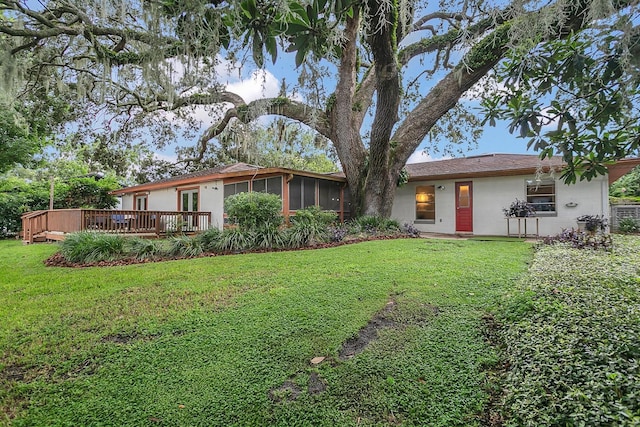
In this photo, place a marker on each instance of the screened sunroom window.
(268, 185)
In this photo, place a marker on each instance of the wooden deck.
(56, 224)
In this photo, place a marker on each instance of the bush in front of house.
(314, 215)
(185, 246)
(579, 239)
(306, 234)
(144, 248)
(87, 247)
(249, 211)
(311, 227)
(369, 224)
(210, 239)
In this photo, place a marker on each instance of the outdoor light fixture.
(441, 187)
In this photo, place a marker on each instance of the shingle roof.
(236, 167)
(483, 165)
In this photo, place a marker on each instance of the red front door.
(464, 207)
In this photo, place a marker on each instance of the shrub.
(375, 224)
(87, 247)
(314, 215)
(594, 223)
(410, 230)
(185, 246)
(629, 225)
(337, 233)
(268, 238)
(253, 210)
(581, 239)
(235, 240)
(210, 239)
(144, 248)
(303, 234)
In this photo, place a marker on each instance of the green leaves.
(577, 97)
(571, 332)
(305, 27)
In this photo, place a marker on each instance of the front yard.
(402, 326)
(229, 340)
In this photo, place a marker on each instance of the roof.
(486, 165)
(236, 167)
(236, 170)
(481, 166)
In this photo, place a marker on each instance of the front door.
(464, 207)
(189, 203)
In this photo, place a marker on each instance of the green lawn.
(212, 341)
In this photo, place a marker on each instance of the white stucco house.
(463, 195)
(467, 195)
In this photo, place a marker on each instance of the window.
(235, 188)
(541, 195)
(302, 192)
(426, 203)
(329, 194)
(268, 185)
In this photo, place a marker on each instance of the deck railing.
(56, 223)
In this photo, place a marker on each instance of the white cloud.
(549, 122)
(419, 156)
(261, 84)
(485, 85)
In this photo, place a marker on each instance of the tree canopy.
(376, 77)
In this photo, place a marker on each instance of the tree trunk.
(378, 196)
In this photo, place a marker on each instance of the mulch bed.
(57, 260)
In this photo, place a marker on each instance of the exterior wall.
(212, 200)
(491, 195)
(211, 195)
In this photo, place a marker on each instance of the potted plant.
(519, 208)
(592, 223)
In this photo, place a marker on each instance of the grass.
(212, 341)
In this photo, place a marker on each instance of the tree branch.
(474, 65)
(293, 110)
(449, 39)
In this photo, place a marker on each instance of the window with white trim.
(541, 195)
(426, 203)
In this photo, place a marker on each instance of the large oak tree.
(153, 58)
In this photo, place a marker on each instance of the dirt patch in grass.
(290, 391)
(393, 315)
(368, 333)
(120, 338)
(316, 384)
(13, 373)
